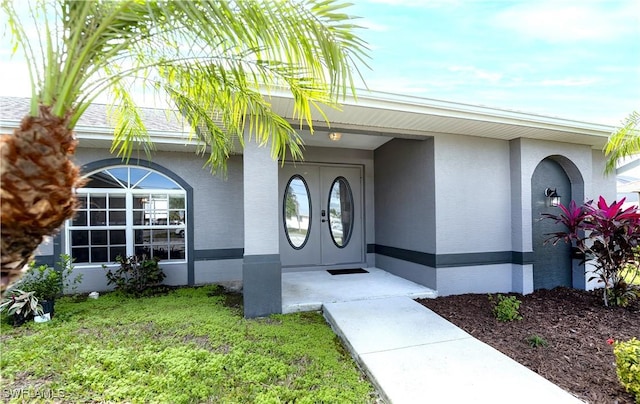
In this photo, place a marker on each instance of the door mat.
(347, 271)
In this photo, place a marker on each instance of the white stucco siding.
(495, 278)
(261, 200)
(472, 187)
(603, 185)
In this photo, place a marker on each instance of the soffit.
(416, 117)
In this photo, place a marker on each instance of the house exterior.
(445, 194)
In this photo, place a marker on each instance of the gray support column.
(261, 269)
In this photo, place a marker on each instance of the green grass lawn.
(184, 347)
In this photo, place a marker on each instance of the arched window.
(128, 211)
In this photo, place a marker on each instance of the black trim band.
(218, 254)
(454, 260)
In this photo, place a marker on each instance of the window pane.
(97, 201)
(114, 252)
(117, 202)
(117, 217)
(297, 207)
(117, 237)
(99, 254)
(142, 236)
(161, 251)
(143, 250)
(82, 201)
(80, 219)
(140, 201)
(176, 217)
(136, 174)
(102, 180)
(98, 237)
(159, 235)
(121, 173)
(138, 218)
(80, 254)
(340, 212)
(177, 252)
(176, 236)
(157, 181)
(176, 202)
(98, 218)
(79, 237)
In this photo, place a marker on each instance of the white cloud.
(372, 26)
(570, 82)
(475, 73)
(418, 3)
(570, 20)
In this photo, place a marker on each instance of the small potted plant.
(20, 306)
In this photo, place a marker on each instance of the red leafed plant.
(607, 236)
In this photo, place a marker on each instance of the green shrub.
(628, 365)
(135, 275)
(46, 282)
(506, 307)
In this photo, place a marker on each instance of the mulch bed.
(574, 323)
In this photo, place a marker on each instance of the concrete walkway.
(410, 353)
(415, 356)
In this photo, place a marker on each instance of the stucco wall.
(472, 186)
(465, 220)
(603, 185)
(405, 202)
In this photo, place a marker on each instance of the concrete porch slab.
(308, 291)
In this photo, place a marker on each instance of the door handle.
(323, 213)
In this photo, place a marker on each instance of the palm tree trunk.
(37, 187)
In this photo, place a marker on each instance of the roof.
(382, 115)
(94, 128)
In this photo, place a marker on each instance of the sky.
(572, 59)
(563, 58)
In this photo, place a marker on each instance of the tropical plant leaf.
(624, 142)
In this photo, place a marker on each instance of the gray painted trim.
(261, 259)
(455, 260)
(262, 285)
(100, 164)
(218, 254)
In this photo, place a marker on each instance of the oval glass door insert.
(340, 212)
(297, 212)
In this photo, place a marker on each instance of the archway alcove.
(552, 264)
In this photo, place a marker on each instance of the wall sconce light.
(553, 199)
(335, 136)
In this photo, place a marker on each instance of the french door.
(321, 215)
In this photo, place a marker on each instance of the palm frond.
(210, 57)
(625, 142)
